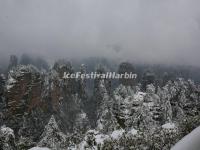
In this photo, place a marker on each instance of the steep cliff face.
(24, 105)
(101, 96)
(32, 96)
(2, 84)
(66, 99)
(2, 97)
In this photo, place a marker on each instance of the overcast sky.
(139, 30)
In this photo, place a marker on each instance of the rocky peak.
(148, 78)
(126, 67)
(81, 86)
(67, 98)
(23, 94)
(13, 62)
(2, 97)
(62, 66)
(2, 84)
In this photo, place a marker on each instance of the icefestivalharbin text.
(94, 75)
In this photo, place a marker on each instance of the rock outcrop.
(25, 109)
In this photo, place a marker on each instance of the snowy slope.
(189, 142)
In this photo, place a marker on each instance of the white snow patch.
(11, 80)
(139, 96)
(100, 125)
(168, 126)
(99, 138)
(93, 131)
(10, 83)
(83, 115)
(189, 142)
(117, 134)
(82, 145)
(6, 131)
(150, 104)
(132, 132)
(8, 87)
(39, 148)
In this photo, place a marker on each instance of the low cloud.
(156, 31)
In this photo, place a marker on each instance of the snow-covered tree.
(7, 139)
(52, 137)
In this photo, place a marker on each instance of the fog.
(153, 31)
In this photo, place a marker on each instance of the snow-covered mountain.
(40, 108)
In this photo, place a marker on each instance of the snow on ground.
(168, 126)
(39, 148)
(139, 96)
(150, 104)
(189, 142)
(6, 131)
(83, 115)
(11, 81)
(117, 134)
(132, 132)
(99, 138)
